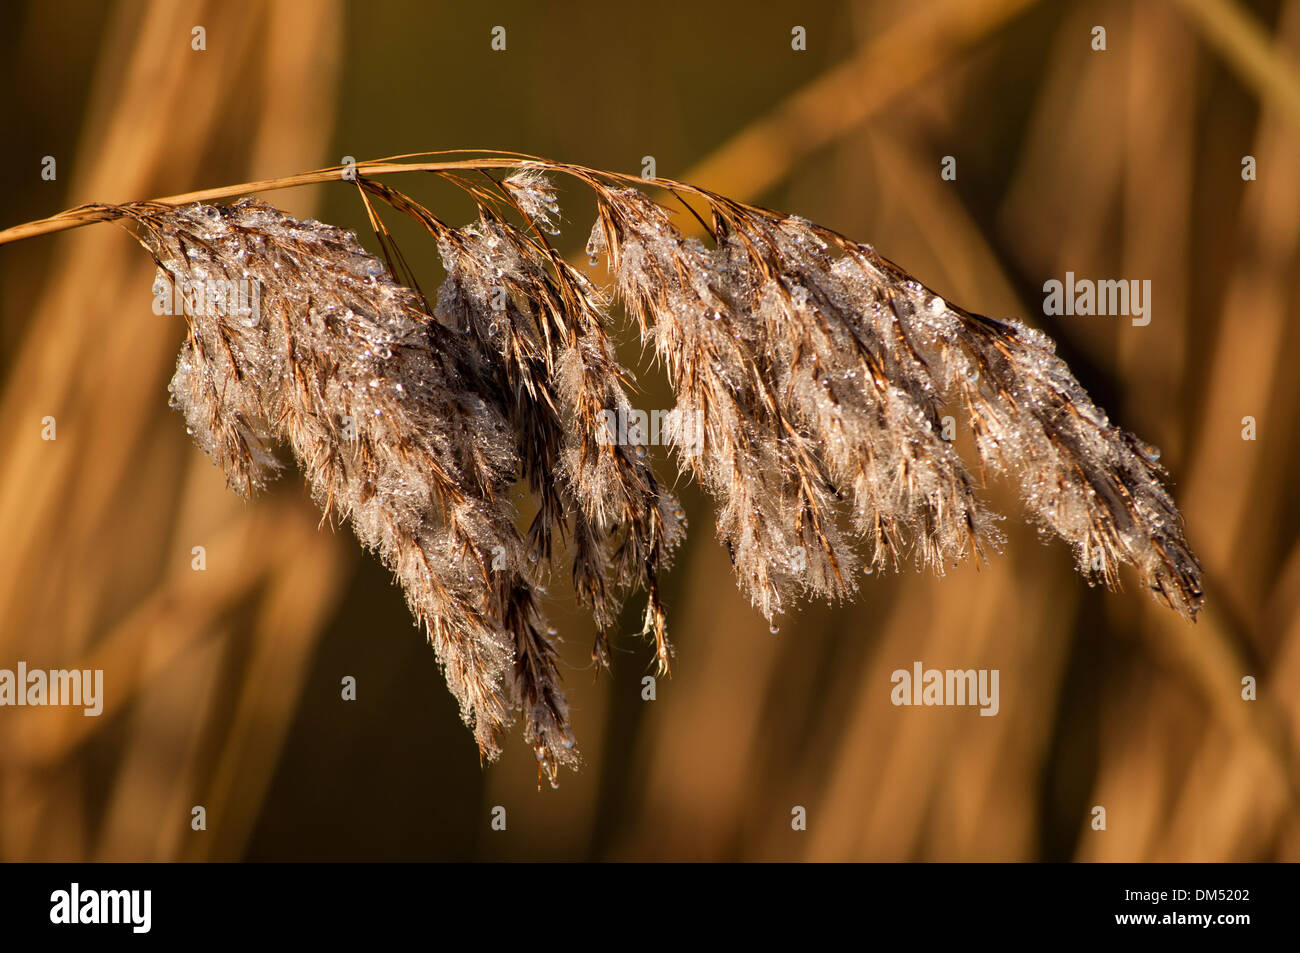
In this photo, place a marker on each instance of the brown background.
(223, 686)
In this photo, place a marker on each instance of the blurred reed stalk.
(202, 669)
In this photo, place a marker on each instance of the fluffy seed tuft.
(814, 376)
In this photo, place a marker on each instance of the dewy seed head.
(823, 388)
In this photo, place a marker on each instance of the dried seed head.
(384, 409)
(534, 192)
(811, 379)
(821, 369)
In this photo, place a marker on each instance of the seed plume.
(816, 383)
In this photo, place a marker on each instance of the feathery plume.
(811, 377)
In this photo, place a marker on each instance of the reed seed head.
(820, 375)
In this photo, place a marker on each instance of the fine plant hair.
(818, 371)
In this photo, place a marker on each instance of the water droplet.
(774, 628)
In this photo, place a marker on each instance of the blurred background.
(223, 686)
